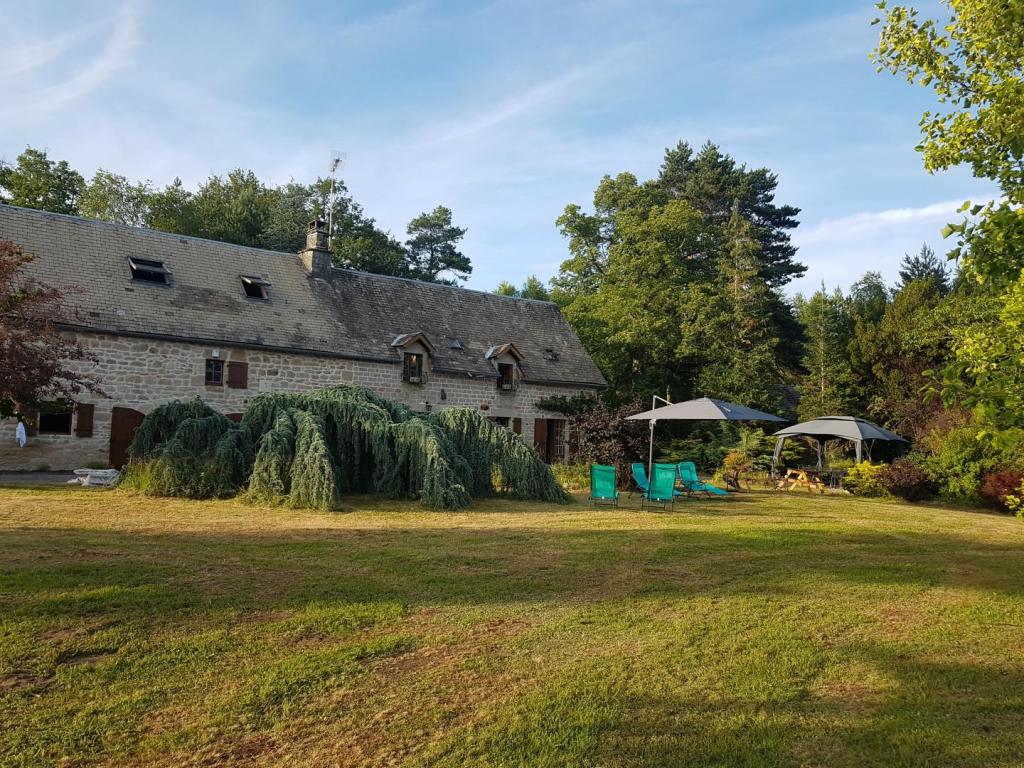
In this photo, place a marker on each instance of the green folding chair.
(602, 485)
(693, 484)
(662, 488)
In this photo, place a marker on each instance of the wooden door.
(123, 423)
(540, 438)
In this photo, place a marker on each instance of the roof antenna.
(337, 160)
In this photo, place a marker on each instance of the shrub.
(600, 434)
(1001, 488)
(574, 476)
(904, 478)
(956, 463)
(737, 467)
(863, 480)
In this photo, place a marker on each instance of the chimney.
(316, 257)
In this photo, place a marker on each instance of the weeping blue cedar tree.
(308, 450)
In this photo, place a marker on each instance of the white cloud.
(840, 250)
(28, 97)
(875, 223)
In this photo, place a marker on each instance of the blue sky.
(503, 111)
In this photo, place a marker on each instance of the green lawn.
(764, 630)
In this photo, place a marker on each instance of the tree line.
(674, 283)
(239, 208)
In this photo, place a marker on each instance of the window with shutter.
(238, 375)
(55, 419)
(214, 373)
(517, 426)
(84, 418)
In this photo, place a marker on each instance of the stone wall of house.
(142, 374)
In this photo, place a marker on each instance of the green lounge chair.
(692, 483)
(640, 480)
(662, 489)
(602, 485)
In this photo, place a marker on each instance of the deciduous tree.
(111, 197)
(36, 181)
(532, 288)
(40, 363)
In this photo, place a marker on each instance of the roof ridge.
(178, 236)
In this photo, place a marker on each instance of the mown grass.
(765, 630)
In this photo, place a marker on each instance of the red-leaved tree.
(37, 360)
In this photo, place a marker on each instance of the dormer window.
(412, 367)
(256, 287)
(148, 270)
(455, 343)
(508, 378)
(413, 347)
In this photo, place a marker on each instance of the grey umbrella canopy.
(826, 428)
(701, 409)
(704, 409)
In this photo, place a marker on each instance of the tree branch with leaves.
(40, 362)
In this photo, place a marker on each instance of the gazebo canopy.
(826, 428)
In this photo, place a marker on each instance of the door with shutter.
(123, 423)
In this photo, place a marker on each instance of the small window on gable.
(412, 367)
(148, 270)
(256, 287)
(214, 373)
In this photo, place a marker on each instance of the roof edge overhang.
(241, 344)
(501, 349)
(405, 339)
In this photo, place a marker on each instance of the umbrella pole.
(650, 454)
(650, 444)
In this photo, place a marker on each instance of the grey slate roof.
(345, 314)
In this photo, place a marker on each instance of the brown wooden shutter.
(540, 437)
(84, 419)
(517, 426)
(234, 416)
(238, 375)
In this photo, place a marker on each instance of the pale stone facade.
(142, 373)
(155, 308)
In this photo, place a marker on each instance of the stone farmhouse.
(172, 317)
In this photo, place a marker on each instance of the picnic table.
(801, 478)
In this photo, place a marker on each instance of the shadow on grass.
(48, 571)
(934, 713)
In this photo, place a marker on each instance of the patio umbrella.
(826, 428)
(701, 409)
